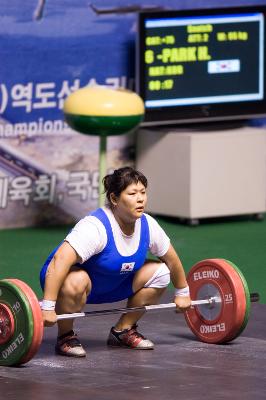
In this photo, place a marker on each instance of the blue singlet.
(111, 273)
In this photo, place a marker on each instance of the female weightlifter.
(103, 260)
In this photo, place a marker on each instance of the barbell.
(219, 312)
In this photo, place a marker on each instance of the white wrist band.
(184, 292)
(48, 305)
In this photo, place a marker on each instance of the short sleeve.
(88, 237)
(159, 241)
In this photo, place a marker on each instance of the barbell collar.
(254, 297)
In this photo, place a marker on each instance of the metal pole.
(102, 168)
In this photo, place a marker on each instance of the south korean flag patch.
(127, 267)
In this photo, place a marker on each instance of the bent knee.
(160, 279)
(76, 283)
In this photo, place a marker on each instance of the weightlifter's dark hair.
(120, 179)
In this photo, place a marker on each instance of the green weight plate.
(19, 343)
(37, 319)
(247, 294)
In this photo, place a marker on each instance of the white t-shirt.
(89, 237)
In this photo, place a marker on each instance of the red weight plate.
(242, 303)
(7, 323)
(248, 301)
(37, 319)
(218, 322)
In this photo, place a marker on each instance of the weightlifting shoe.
(129, 338)
(69, 345)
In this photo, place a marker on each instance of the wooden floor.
(180, 367)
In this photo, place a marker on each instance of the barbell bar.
(219, 313)
(153, 307)
(254, 297)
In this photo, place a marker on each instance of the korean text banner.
(48, 49)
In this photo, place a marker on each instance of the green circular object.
(37, 319)
(102, 125)
(247, 294)
(103, 111)
(19, 343)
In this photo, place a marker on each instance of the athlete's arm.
(58, 269)
(56, 273)
(178, 277)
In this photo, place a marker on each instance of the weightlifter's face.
(131, 203)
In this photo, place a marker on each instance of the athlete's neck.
(127, 227)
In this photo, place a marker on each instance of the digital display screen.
(197, 60)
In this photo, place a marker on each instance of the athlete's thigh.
(77, 280)
(145, 273)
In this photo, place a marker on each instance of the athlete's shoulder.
(149, 218)
(88, 223)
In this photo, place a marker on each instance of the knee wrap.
(160, 278)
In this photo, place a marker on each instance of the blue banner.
(49, 49)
